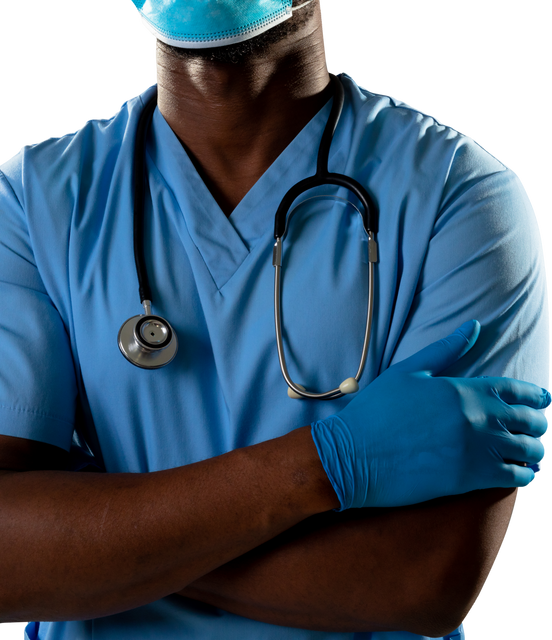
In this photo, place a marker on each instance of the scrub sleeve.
(37, 380)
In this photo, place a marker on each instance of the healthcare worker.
(209, 502)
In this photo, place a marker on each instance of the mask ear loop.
(294, 9)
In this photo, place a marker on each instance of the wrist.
(309, 476)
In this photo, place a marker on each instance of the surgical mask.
(201, 24)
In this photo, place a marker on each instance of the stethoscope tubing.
(140, 180)
(368, 214)
(300, 391)
(146, 351)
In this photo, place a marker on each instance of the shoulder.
(403, 136)
(64, 166)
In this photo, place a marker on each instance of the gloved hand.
(410, 437)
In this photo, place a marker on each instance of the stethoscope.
(149, 342)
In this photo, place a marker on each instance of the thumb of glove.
(444, 353)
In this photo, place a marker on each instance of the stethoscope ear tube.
(323, 177)
(369, 219)
(350, 385)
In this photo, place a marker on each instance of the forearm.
(302, 578)
(79, 546)
(338, 572)
(416, 569)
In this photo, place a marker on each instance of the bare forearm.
(79, 546)
(333, 573)
(301, 579)
(416, 569)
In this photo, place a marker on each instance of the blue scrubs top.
(457, 240)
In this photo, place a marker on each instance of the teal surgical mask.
(201, 24)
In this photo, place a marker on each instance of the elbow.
(443, 610)
(438, 626)
(432, 617)
(463, 609)
(453, 607)
(443, 625)
(7, 614)
(10, 618)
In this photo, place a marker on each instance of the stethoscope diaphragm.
(147, 341)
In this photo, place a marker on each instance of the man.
(246, 540)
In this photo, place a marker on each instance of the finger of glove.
(514, 391)
(523, 419)
(521, 448)
(538, 467)
(514, 475)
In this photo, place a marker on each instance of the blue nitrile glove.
(538, 467)
(410, 437)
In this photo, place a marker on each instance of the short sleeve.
(37, 380)
(484, 261)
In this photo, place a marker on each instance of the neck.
(237, 118)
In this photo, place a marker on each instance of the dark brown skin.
(236, 119)
(85, 545)
(252, 531)
(417, 568)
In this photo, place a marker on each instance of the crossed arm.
(417, 569)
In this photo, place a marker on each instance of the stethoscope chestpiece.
(148, 341)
